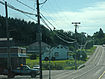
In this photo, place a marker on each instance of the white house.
(59, 52)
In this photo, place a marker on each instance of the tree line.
(24, 33)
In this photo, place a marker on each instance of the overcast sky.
(61, 13)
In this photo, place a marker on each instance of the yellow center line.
(101, 75)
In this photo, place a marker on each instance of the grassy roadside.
(60, 64)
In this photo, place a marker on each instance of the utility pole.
(76, 25)
(39, 39)
(8, 43)
(49, 64)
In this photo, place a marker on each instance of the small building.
(59, 52)
(16, 55)
(34, 48)
(4, 42)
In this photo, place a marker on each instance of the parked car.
(103, 45)
(36, 67)
(26, 70)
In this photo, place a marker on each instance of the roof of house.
(34, 47)
(37, 44)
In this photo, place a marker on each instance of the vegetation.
(28, 35)
(55, 65)
(24, 33)
(61, 64)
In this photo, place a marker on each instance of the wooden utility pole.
(8, 43)
(39, 39)
(76, 25)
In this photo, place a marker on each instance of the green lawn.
(59, 64)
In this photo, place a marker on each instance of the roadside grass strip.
(101, 75)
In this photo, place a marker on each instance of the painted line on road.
(101, 75)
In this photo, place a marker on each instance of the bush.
(33, 56)
(69, 68)
(53, 66)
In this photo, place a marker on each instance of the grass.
(59, 64)
(55, 65)
(90, 51)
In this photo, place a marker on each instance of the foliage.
(99, 37)
(33, 56)
(24, 33)
(80, 55)
(54, 65)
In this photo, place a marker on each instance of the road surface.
(94, 69)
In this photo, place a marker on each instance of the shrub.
(33, 56)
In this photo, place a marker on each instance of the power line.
(43, 2)
(57, 34)
(48, 21)
(25, 5)
(30, 17)
(25, 13)
(57, 15)
(66, 36)
(12, 7)
(51, 18)
(54, 27)
(64, 40)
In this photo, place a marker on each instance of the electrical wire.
(12, 7)
(25, 5)
(51, 18)
(30, 17)
(48, 21)
(34, 9)
(43, 2)
(57, 34)
(54, 27)
(25, 13)
(66, 36)
(46, 24)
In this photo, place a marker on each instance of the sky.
(61, 13)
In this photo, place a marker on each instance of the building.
(17, 55)
(59, 52)
(34, 48)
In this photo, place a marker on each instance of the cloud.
(90, 17)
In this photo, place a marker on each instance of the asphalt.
(94, 69)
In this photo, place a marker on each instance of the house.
(34, 48)
(59, 52)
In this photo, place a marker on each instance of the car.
(36, 67)
(81, 66)
(103, 45)
(26, 70)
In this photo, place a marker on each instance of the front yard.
(60, 64)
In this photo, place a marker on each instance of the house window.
(56, 53)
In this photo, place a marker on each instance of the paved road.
(54, 74)
(94, 69)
